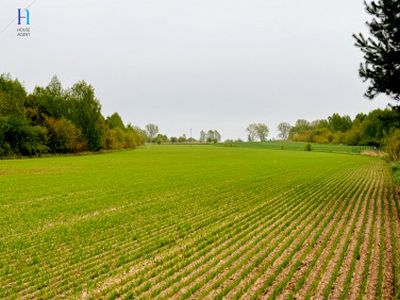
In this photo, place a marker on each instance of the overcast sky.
(201, 64)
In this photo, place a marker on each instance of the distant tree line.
(371, 129)
(56, 120)
(153, 136)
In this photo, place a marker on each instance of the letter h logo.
(21, 16)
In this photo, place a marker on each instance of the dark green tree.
(12, 97)
(84, 110)
(50, 100)
(338, 123)
(115, 121)
(17, 137)
(382, 51)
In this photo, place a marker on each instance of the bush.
(307, 147)
(18, 138)
(64, 136)
(229, 143)
(35, 138)
(392, 145)
(396, 173)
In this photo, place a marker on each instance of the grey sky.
(201, 64)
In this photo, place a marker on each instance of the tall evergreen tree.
(382, 51)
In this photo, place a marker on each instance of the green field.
(199, 222)
(299, 146)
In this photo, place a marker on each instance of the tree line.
(371, 129)
(52, 119)
(153, 136)
(56, 120)
(381, 69)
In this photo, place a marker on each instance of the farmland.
(199, 222)
(299, 146)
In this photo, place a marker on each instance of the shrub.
(229, 143)
(64, 136)
(392, 145)
(396, 172)
(307, 147)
